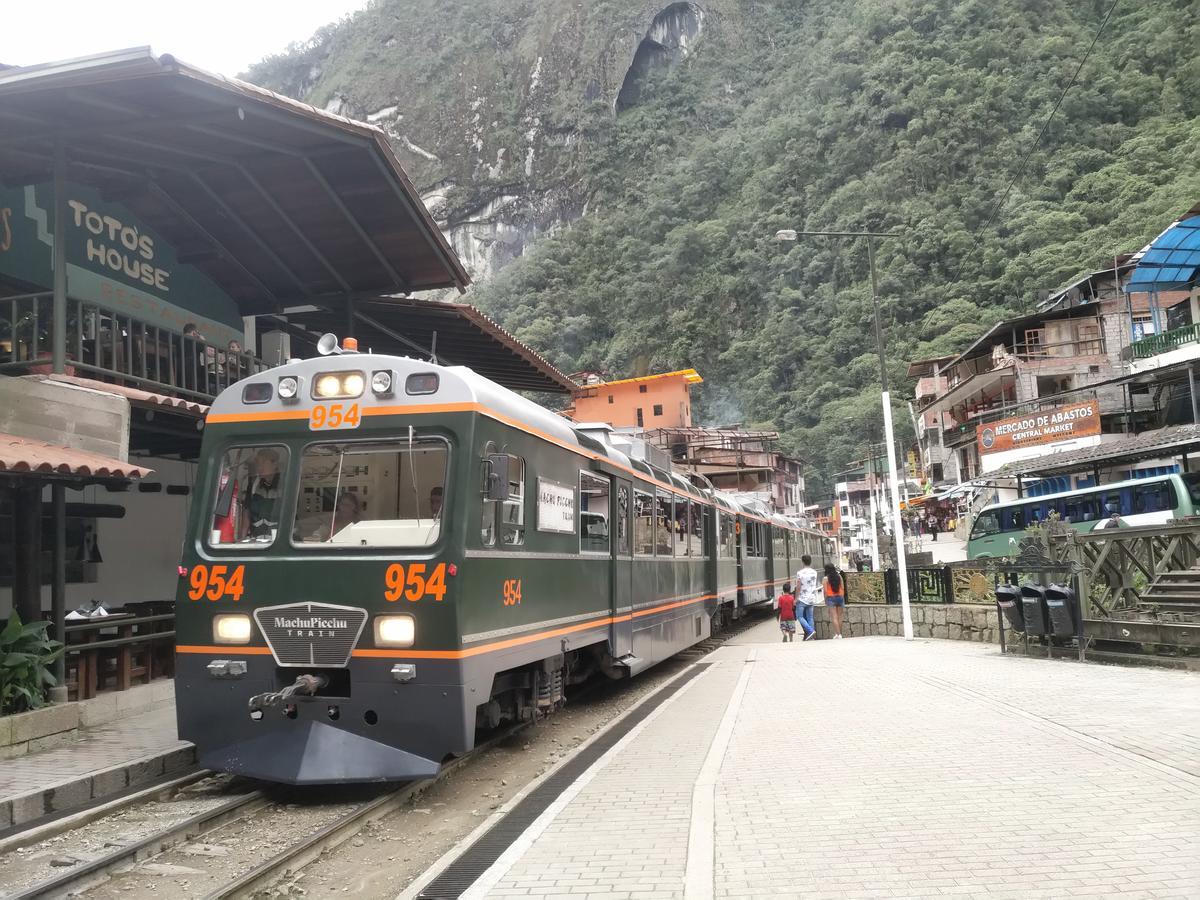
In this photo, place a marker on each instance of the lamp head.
(328, 344)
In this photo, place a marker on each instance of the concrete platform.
(872, 767)
(131, 752)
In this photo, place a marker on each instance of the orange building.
(653, 401)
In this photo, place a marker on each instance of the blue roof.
(1171, 262)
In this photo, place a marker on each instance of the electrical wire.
(996, 207)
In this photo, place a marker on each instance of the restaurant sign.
(1062, 423)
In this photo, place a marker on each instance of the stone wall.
(953, 621)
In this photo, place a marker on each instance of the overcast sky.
(223, 36)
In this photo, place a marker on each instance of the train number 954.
(411, 582)
(512, 592)
(215, 582)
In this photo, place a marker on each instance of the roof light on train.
(381, 382)
(395, 631)
(328, 386)
(353, 384)
(289, 386)
(231, 629)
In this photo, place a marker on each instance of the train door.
(621, 630)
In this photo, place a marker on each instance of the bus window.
(987, 522)
(1083, 508)
(1158, 496)
(643, 531)
(1116, 503)
(249, 493)
(1192, 480)
(371, 495)
(1012, 518)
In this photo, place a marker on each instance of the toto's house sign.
(1048, 426)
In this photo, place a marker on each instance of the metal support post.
(1192, 394)
(27, 545)
(58, 589)
(58, 329)
(889, 437)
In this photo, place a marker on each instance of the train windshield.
(379, 494)
(249, 490)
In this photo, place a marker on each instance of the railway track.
(249, 803)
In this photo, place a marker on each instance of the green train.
(386, 555)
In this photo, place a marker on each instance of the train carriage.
(387, 554)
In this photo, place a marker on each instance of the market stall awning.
(1171, 262)
(278, 202)
(457, 333)
(23, 456)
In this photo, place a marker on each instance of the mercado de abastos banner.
(1048, 426)
(113, 260)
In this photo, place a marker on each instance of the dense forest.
(910, 116)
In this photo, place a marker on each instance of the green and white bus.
(998, 528)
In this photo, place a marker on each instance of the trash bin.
(1060, 606)
(1033, 604)
(1008, 598)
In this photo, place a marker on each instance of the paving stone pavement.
(123, 741)
(872, 767)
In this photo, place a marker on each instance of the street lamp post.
(789, 234)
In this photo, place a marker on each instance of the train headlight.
(395, 631)
(231, 629)
(288, 387)
(339, 384)
(381, 382)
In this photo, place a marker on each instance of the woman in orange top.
(835, 597)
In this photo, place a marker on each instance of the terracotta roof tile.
(25, 456)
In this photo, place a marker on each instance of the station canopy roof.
(275, 200)
(456, 333)
(1173, 440)
(1171, 262)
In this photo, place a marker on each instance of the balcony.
(111, 346)
(1157, 344)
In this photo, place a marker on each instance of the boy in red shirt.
(785, 608)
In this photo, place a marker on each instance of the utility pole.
(888, 433)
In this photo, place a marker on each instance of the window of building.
(641, 389)
(643, 524)
(593, 513)
(249, 493)
(658, 409)
(610, 398)
(378, 494)
(640, 420)
(1143, 325)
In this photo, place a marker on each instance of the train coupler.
(306, 685)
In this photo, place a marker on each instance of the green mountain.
(616, 172)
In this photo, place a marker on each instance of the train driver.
(264, 495)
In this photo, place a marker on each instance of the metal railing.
(108, 345)
(1161, 343)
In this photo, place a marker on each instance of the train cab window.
(512, 510)
(593, 514)
(664, 525)
(248, 496)
(644, 524)
(379, 494)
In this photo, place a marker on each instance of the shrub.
(26, 654)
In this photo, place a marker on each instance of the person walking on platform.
(807, 593)
(785, 608)
(835, 597)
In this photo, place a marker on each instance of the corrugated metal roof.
(22, 456)
(280, 203)
(1147, 445)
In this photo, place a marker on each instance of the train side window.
(622, 520)
(643, 528)
(593, 514)
(665, 525)
(707, 535)
(512, 510)
(679, 527)
(248, 497)
(695, 529)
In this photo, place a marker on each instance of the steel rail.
(152, 845)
